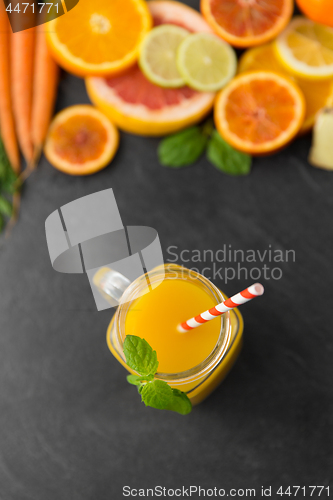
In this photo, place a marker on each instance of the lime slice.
(158, 55)
(305, 48)
(206, 62)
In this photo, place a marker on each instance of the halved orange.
(245, 23)
(318, 94)
(99, 37)
(81, 140)
(259, 112)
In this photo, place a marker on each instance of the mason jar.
(200, 380)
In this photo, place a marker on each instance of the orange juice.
(196, 361)
(155, 317)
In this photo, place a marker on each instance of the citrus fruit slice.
(320, 11)
(81, 140)
(99, 37)
(158, 55)
(318, 94)
(137, 105)
(245, 23)
(305, 48)
(206, 62)
(259, 112)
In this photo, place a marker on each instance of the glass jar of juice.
(195, 361)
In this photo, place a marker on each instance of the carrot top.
(8, 188)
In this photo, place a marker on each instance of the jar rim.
(159, 274)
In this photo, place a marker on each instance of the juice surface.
(155, 316)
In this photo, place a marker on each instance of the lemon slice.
(306, 49)
(158, 55)
(206, 62)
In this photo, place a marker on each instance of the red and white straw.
(240, 298)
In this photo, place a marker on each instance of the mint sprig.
(154, 392)
(185, 148)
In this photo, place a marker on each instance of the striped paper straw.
(240, 298)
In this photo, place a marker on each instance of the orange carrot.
(6, 115)
(45, 84)
(22, 58)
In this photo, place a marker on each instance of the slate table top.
(71, 427)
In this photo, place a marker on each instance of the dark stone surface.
(71, 427)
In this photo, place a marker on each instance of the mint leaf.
(179, 402)
(140, 356)
(157, 394)
(137, 379)
(183, 148)
(227, 159)
(5, 207)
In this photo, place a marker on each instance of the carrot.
(22, 58)
(45, 84)
(7, 124)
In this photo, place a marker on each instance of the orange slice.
(259, 112)
(318, 94)
(81, 140)
(245, 23)
(137, 105)
(99, 37)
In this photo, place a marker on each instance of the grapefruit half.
(138, 106)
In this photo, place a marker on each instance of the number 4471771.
(26, 6)
(304, 491)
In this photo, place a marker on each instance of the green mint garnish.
(137, 379)
(182, 149)
(227, 159)
(155, 393)
(140, 356)
(185, 147)
(180, 402)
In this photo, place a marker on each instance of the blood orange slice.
(245, 23)
(138, 106)
(81, 140)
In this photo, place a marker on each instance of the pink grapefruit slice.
(141, 107)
